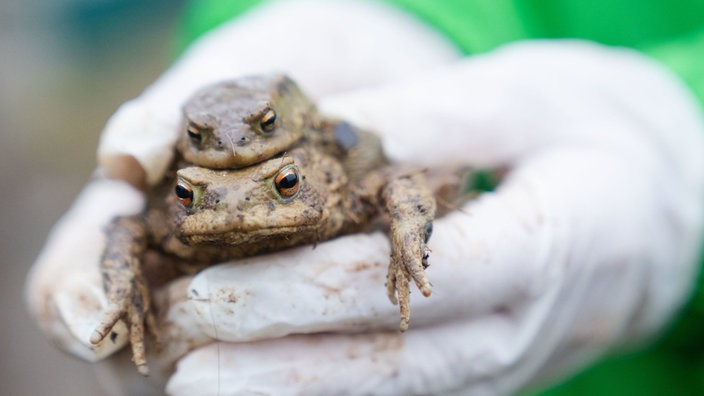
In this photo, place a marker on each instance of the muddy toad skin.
(237, 123)
(310, 180)
(232, 124)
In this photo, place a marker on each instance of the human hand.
(307, 40)
(512, 271)
(590, 243)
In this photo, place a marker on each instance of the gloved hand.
(589, 243)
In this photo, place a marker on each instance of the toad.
(202, 216)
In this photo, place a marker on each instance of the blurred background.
(65, 67)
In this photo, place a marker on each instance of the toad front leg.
(125, 285)
(410, 205)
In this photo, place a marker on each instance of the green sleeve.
(685, 56)
(669, 31)
(201, 16)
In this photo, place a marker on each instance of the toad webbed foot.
(126, 287)
(411, 208)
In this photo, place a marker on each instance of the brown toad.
(236, 123)
(240, 122)
(204, 216)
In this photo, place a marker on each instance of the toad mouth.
(241, 237)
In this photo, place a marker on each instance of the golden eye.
(194, 134)
(184, 194)
(268, 121)
(287, 181)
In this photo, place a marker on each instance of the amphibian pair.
(270, 173)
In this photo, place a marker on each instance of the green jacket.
(671, 31)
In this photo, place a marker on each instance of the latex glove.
(590, 243)
(309, 40)
(562, 263)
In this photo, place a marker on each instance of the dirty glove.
(310, 41)
(590, 242)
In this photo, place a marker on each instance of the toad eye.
(287, 182)
(194, 134)
(268, 121)
(184, 193)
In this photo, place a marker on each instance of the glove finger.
(498, 108)
(429, 360)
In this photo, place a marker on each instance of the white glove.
(137, 143)
(590, 241)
